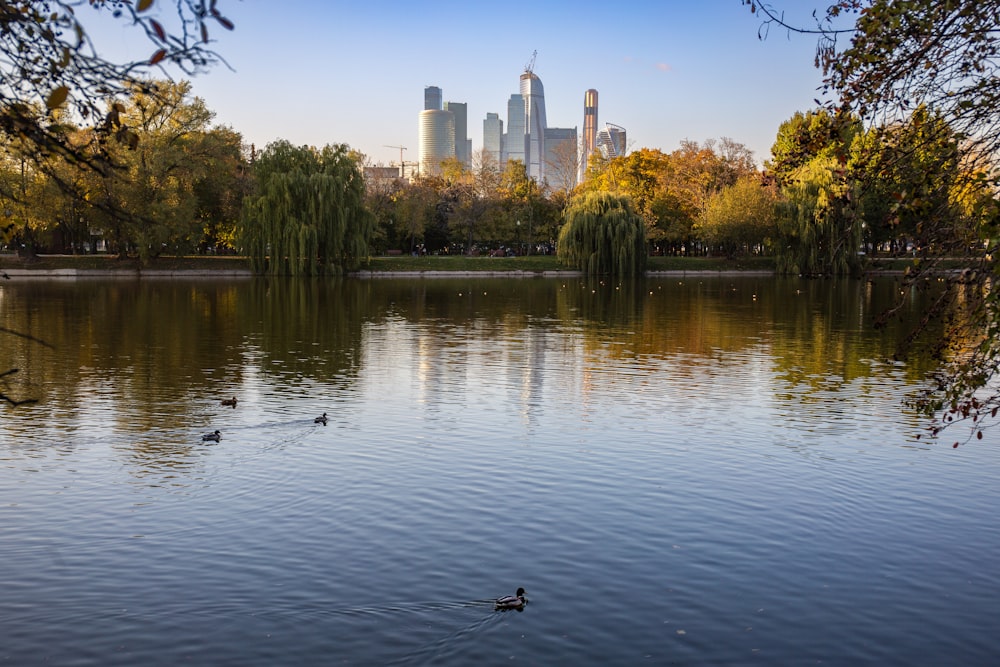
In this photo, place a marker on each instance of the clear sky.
(354, 72)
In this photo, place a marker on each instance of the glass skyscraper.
(589, 129)
(534, 124)
(493, 137)
(432, 98)
(513, 145)
(463, 145)
(436, 134)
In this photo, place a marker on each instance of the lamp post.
(517, 227)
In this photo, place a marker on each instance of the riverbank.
(431, 266)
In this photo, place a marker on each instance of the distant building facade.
(534, 124)
(611, 140)
(513, 144)
(589, 130)
(463, 145)
(432, 98)
(436, 140)
(493, 137)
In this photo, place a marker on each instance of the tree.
(603, 235)
(562, 166)
(151, 193)
(819, 230)
(904, 55)
(524, 205)
(50, 68)
(307, 213)
(739, 218)
(669, 191)
(49, 65)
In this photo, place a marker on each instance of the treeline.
(831, 194)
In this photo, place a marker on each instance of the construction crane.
(401, 149)
(530, 67)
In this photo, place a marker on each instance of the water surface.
(689, 471)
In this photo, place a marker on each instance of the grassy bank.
(112, 263)
(536, 263)
(384, 263)
(550, 263)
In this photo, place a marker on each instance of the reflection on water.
(722, 464)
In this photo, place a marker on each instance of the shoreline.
(137, 274)
(246, 274)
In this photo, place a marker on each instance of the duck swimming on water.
(516, 601)
(320, 420)
(230, 402)
(214, 436)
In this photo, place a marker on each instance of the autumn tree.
(151, 196)
(883, 59)
(670, 190)
(527, 217)
(740, 218)
(53, 71)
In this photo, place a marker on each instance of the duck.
(515, 601)
(214, 436)
(321, 419)
(230, 402)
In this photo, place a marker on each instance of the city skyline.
(349, 72)
(542, 148)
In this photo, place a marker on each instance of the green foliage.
(307, 215)
(602, 235)
(917, 185)
(740, 218)
(670, 190)
(806, 136)
(819, 229)
(923, 74)
(51, 71)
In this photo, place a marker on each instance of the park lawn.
(105, 262)
(551, 263)
(407, 263)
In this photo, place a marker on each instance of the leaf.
(204, 32)
(158, 29)
(143, 5)
(225, 23)
(158, 56)
(57, 97)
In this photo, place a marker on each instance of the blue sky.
(354, 72)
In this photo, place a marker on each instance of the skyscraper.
(463, 145)
(513, 145)
(611, 140)
(437, 139)
(436, 133)
(493, 137)
(432, 98)
(589, 129)
(534, 124)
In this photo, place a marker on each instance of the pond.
(697, 470)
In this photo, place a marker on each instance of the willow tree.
(603, 235)
(308, 215)
(881, 60)
(819, 228)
